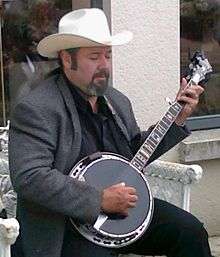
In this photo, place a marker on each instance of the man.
(67, 118)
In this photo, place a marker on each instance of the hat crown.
(84, 22)
(81, 28)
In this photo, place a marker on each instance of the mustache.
(102, 73)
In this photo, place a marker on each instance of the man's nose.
(104, 62)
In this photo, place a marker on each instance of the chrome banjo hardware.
(199, 71)
(100, 221)
(94, 232)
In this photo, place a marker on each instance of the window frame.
(97, 4)
(207, 121)
(204, 122)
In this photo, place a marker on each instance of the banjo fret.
(140, 159)
(177, 107)
(155, 136)
(160, 128)
(136, 164)
(142, 156)
(148, 146)
(159, 132)
(164, 125)
(167, 122)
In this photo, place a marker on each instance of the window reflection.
(24, 24)
(200, 29)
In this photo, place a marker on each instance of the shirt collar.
(83, 104)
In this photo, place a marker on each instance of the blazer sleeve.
(32, 149)
(174, 136)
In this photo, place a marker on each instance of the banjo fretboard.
(157, 134)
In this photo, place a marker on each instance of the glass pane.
(24, 24)
(200, 29)
(2, 88)
(97, 4)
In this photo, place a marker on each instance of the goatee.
(99, 83)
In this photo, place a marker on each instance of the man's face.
(93, 69)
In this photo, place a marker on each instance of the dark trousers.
(173, 232)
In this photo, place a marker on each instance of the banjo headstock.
(199, 70)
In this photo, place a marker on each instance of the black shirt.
(99, 130)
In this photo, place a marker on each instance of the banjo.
(113, 230)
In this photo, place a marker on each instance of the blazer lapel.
(118, 119)
(70, 105)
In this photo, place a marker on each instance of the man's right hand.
(118, 199)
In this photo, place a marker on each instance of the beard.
(98, 84)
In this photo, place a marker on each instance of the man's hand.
(118, 199)
(190, 98)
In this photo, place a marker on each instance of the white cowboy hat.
(81, 28)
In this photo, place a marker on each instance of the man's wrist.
(181, 124)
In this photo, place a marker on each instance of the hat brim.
(51, 45)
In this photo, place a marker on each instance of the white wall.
(147, 70)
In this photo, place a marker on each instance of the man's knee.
(193, 226)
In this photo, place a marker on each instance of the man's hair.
(72, 52)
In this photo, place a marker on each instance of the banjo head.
(102, 171)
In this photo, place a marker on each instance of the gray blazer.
(44, 143)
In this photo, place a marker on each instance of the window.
(200, 29)
(23, 24)
(97, 4)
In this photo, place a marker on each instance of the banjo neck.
(199, 71)
(141, 158)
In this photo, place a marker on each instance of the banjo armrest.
(171, 181)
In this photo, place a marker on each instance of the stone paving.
(215, 246)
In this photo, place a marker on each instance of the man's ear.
(65, 59)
